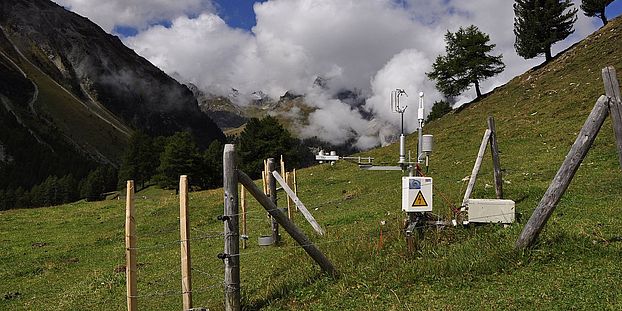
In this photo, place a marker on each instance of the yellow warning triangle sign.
(420, 200)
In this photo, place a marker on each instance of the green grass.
(68, 257)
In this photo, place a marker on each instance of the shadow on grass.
(282, 291)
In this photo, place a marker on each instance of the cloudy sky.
(373, 46)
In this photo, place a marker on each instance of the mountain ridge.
(69, 88)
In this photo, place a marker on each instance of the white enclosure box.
(417, 194)
(491, 211)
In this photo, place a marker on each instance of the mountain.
(73, 260)
(69, 89)
(225, 113)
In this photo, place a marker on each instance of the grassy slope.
(74, 119)
(65, 257)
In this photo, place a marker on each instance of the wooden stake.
(232, 232)
(130, 248)
(244, 206)
(316, 226)
(272, 193)
(564, 175)
(612, 90)
(295, 186)
(478, 164)
(288, 181)
(264, 176)
(184, 232)
(282, 166)
(289, 226)
(496, 163)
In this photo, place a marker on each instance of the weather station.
(417, 189)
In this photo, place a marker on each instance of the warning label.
(419, 200)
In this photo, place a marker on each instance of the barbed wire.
(205, 273)
(360, 237)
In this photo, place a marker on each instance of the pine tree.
(595, 8)
(212, 162)
(439, 109)
(22, 198)
(140, 160)
(266, 138)
(94, 184)
(180, 157)
(538, 24)
(467, 62)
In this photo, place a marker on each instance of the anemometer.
(417, 189)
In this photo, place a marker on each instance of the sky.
(274, 46)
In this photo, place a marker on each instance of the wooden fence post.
(244, 207)
(295, 186)
(564, 175)
(288, 181)
(184, 232)
(612, 90)
(478, 164)
(288, 225)
(496, 163)
(272, 193)
(130, 247)
(231, 256)
(282, 167)
(264, 176)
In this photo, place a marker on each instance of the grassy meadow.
(72, 256)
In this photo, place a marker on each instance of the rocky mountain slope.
(67, 87)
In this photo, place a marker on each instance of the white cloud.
(202, 50)
(138, 14)
(373, 46)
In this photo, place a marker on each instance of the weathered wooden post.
(289, 226)
(272, 195)
(316, 226)
(564, 175)
(130, 248)
(496, 163)
(231, 254)
(184, 232)
(478, 164)
(612, 90)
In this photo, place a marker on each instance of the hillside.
(69, 88)
(72, 256)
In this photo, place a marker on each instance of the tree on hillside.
(180, 157)
(538, 24)
(92, 186)
(212, 165)
(467, 62)
(140, 160)
(439, 109)
(595, 8)
(266, 138)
